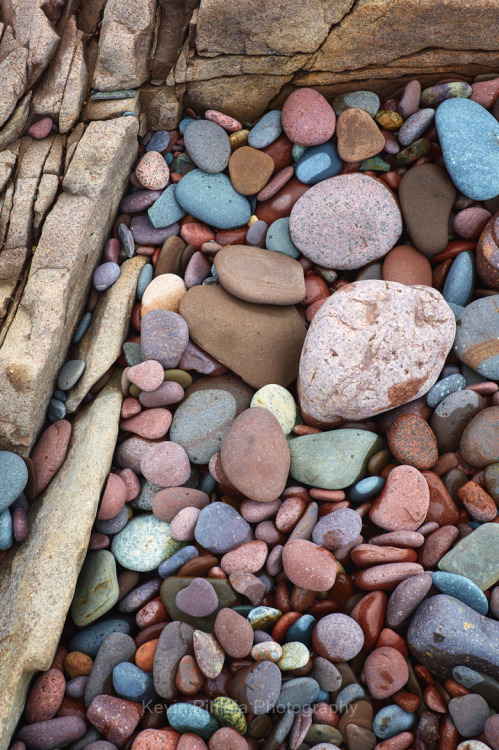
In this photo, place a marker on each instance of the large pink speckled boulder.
(372, 346)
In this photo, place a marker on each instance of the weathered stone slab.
(70, 244)
(39, 576)
(101, 345)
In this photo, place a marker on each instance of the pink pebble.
(168, 393)
(227, 123)
(255, 512)
(145, 250)
(470, 222)
(20, 524)
(130, 407)
(166, 464)
(132, 484)
(183, 525)
(307, 117)
(409, 103)
(111, 251)
(147, 375)
(494, 401)
(486, 388)
(276, 183)
(150, 424)
(98, 541)
(485, 92)
(113, 499)
(41, 129)
(391, 143)
(198, 269)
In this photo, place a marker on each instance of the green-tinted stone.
(266, 651)
(179, 376)
(228, 713)
(294, 656)
(333, 460)
(263, 618)
(172, 585)
(389, 120)
(105, 95)
(279, 402)
(483, 684)
(96, 590)
(323, 733)
(413, 152)
(367, 100)
(376, 163)
(144, 543)
(434, 95)
(260, 726)
(185, 717)
(476, 556)
(491, 481)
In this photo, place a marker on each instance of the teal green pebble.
(323, 736)
(366, 489)
(392, 720)
(333, 460)
(435, 95)
(444, 388)
(56, 410)
(228, 713)
(366, 100)
(96, 589)
(82, 328)
(460, 280)
(166, 210)
(91, 639)
(145, 279)
(211, 198)
(132, 353)
(350, 694)
(297, 151)
(279, 402)
(59, 395)
(294, 656)
(263, 618)
(184, 124)
(180, 162)
(184, 717)
(461, 588)
(491, 481)
(13, 478)
(301, 630)
(144, 543)
(376, 163)
(6, 530)
(278, 238)
(100, 96)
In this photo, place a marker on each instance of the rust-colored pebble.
(45, 697)
(413, 442)
(76, 663)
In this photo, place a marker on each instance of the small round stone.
(234, 633)
(309, 566)
(166, 465)
(404, 501)
(469, 713)
(208, 145)
(337, 637)
(267, 651)
(385, 671)
(147, 376)
(13, 478)
(294, 656)
(406, 265)
(279, 402)
(480, 440)
(70, 373)
(413, 442)
(105, 275)
(228, 713)
(337, 529)
(144, 543)
(250, 170)
(152, 171)
(307, 117)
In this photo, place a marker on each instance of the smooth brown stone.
(369, 613)
(487, 254)
(442, 508)
(261, 343)
(255, 455)
(234, 633)
(385, 577)
(50, 452)
(282, 202)
(250, 557)
(385, 671)
(413, 442)
(261, 276)
(174, 642)
(199, 566)
(358, 135)
(436, 545)
(309, 566)
(281, 151)
(250, 170)
(170, 501)
(365, 555)
(256, 686)
(479, 444)
(169, 256)
(116, 718)
(426, 195)
(404, 500)
(407, 265)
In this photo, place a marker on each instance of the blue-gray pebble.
(460, 280)
(278, 238)
(415, 125)
(318, 163)
(211, 198)
(113, 525)
(392, 720)
(89, 640)
(6, 530)
(366, 489)
(298, 692)
(266, 130)
(127, 241)
(208, 145)
(175, 562)
(82, 327)
(166, 209)
(132, 353)
(56, 410)
(469, 137)
(159, 141)
(105, 275)
(461, 588)
(13, 478)
(301, 630)
(133, 683)
(185, 717)
(145, 279)
(444, 388)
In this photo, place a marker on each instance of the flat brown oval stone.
(250, 170)
(255, 455)
(261, 343)
(234, 633)
(261, 276)
(358, 135)
(426, 195)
